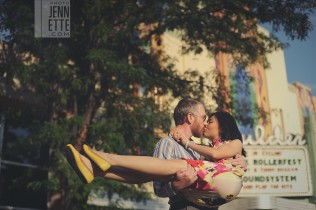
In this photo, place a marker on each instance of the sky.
(300, 58)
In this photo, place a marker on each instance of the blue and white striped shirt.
(168, 148)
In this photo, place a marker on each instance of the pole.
(1, 137)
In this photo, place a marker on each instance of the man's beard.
(198, 134)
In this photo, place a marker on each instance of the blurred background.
(109, 74)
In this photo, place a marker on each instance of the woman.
(226, 141)
(218, 176)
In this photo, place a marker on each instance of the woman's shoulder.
(234, 141)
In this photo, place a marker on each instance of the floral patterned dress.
(221, 180)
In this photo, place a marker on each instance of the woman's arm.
(225, 151)
(228, 150)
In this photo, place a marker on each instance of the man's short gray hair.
(184, 107)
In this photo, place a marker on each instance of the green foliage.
(94, 78)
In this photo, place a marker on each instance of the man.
(190, 117)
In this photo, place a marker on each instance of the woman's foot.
(80, 164)
(97, 158)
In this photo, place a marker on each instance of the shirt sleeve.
(164, 150)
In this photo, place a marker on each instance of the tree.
(89, 84)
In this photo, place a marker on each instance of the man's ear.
(190, 118)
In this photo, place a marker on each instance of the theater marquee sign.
(276, 166)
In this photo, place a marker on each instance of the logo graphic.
(52, 18)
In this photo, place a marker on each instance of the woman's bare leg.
(123, 174)
(144, 164)
(131, 177)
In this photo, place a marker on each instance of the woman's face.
(211, 130)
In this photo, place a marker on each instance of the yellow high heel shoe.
(99, 161)
(73, 158)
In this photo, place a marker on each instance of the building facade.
(279, 130)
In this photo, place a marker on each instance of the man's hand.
(184, 178)
(239, 161)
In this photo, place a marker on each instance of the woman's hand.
(178, 136)
(239, 161)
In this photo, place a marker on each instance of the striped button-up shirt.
(168, 148)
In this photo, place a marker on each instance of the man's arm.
(163, 150)
(183, 178)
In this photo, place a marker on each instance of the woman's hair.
(184, 107)
(228, 127)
